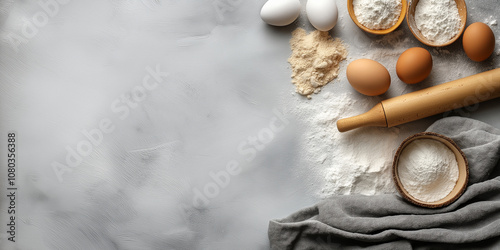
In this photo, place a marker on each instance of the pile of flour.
(315, 60)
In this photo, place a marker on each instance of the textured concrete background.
(156, 124)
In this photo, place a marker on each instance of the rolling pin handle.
(374, 117)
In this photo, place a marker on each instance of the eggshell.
(322, 14)
(280, 12)
(368, 77)
(478, 41)
(414, 65)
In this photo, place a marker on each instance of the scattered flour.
(360, 161)
(315, 60)
(355, 162)
(491, 21)
(428, 170)
(437, 20)
(377, 14)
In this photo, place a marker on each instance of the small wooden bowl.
(350, 8)
(410, 19)
(463, 170)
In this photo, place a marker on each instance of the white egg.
(322, 14)
(280, 12)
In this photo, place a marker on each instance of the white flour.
(428, 170)
(377, 14)
(358, 161)
(437, 20)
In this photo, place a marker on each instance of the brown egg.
(368, 77)
(478, 41)
(414, 65)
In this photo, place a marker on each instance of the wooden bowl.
(463, 170)
(350, 8)
(410, 19)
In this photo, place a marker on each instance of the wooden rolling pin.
(427, 102)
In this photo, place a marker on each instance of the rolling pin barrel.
(427, 102)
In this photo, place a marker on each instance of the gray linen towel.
(390, 222)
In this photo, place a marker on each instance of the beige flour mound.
(315, 60)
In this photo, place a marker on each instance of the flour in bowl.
(437, 20)
(377, 14)
(428, 170)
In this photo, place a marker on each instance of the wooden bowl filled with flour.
(437, 23)
(377, 17)
(430, 170)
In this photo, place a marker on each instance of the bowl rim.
(458, 153)
(401, 18)
(410, 19)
